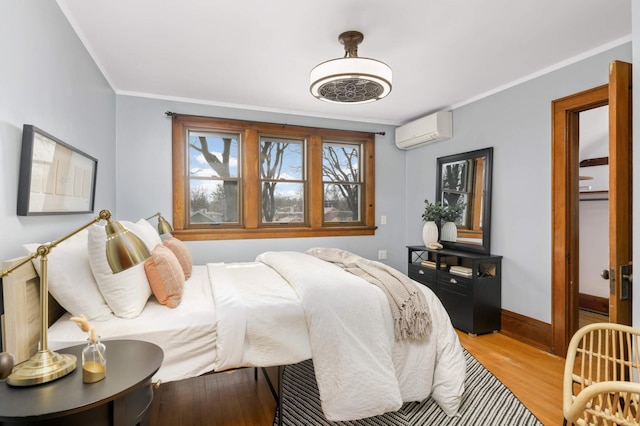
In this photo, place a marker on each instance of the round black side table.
(123, 397)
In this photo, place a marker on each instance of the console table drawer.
(455, 282)
(424, 275)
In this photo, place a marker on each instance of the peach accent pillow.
(165, 276)
(182, 253)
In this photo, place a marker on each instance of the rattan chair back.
(601, 376)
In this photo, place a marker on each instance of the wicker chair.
(601, 376)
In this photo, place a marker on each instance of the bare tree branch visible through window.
(271, 160)
(221, 167)
(341, 165)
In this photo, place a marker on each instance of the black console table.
(123, 397)
(468, 285)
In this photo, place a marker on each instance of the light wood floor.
(534, 376)
(589, 317)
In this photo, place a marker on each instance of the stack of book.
(432, 265)
(463, 271)
(429, 264)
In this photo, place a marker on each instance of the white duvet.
(246, 314)
(288, 307)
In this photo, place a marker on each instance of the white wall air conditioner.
(432, 128)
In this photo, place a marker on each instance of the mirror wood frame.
(487, 153)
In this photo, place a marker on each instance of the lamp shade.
(124, 248)
(164, 227)
(351, 79)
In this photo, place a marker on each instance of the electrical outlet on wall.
(382, 254)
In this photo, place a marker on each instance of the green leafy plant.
(433, 211)
(452, 213)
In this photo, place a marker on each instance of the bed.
(261, 314)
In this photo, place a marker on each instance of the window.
(282, 180)
(239, 179)
(342, 180)
(213, 177)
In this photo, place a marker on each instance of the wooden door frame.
(564, 205)
(620, 190)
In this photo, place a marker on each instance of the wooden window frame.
(250, 206)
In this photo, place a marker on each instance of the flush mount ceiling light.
(351, 80)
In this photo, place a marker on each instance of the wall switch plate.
(383, 220)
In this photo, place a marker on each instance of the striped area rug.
(486, 401)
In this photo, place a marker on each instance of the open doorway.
(593, 237)
(566, 197)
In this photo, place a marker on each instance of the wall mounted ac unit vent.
(432, 128)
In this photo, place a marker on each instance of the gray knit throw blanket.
(408, 304)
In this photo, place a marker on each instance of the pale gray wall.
(48, 79)
(517, 124)
(144, 179)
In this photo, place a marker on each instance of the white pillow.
(145, 231)
(126, 292)
(71, 281)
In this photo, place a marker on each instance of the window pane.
(213, 201)
(213, 171)
(281, 159)
(342, 202)
(282, 202)
(213, 154)
(282, 178)
(340, 162)
(454, 176)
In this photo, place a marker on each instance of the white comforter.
(344, 323)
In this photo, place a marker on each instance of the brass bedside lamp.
(164, 227)
(124, 250)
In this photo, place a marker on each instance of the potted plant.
(451, 214)
(433, 212)
(432, 215)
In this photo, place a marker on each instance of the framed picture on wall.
(55, 178)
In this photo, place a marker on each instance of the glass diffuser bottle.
(94, 361)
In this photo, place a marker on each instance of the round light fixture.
(351, 79)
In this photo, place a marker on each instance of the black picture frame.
(55, 178)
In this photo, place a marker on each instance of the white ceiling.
(257, 54)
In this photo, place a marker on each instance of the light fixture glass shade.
(124, 248)
(351, 80)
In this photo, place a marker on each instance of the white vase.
(449, 232)
(429, 233)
